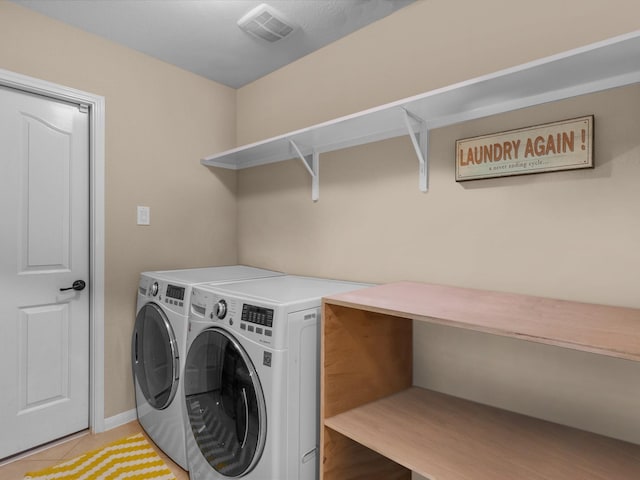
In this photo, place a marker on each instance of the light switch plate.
(144, 215)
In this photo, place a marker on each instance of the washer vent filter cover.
(266, 23)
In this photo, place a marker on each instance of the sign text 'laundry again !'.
(563, 145)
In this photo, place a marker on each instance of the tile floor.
(77, 446)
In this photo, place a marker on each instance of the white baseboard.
(120, 419)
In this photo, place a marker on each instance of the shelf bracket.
(420, 145)
(312, 164)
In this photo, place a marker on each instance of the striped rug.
(130, 458)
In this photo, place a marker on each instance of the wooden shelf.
(376, 426)
(447, 438)
(600, 66)
(601, 329)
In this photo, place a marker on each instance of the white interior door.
(44, 247)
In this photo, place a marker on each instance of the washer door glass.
(225, 403)
(155, 356)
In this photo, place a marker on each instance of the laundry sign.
(563, 145)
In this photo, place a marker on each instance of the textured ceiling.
(202, 35)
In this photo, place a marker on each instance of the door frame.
(96, 112)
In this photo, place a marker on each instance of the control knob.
(220, 309)
(154, 289)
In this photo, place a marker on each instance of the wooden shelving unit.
(376, 425)
(608, 64)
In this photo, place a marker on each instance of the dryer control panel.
(175, 292)
(170, 296)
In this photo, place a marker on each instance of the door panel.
(225, 403)
(45, 207)
(44, 246)
(44, 356)
(155, 356)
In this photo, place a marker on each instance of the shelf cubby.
(376, 425)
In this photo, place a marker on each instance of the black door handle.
(77, 285)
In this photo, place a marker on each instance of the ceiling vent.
(266, 23)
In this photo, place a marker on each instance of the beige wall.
(160, 121)
(571, 235)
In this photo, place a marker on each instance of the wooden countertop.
(601, 329)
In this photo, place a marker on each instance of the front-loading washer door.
(155, 356)
(225, 403)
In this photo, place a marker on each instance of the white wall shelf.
(608, 64)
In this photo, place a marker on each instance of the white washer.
(251, 380)
(158, 348)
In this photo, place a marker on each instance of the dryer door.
(225, 403)
(154, 355)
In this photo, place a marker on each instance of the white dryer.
(158, 348)
(251, 380)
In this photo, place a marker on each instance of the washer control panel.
(257, 319)
(257, 315)
(252, 321)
